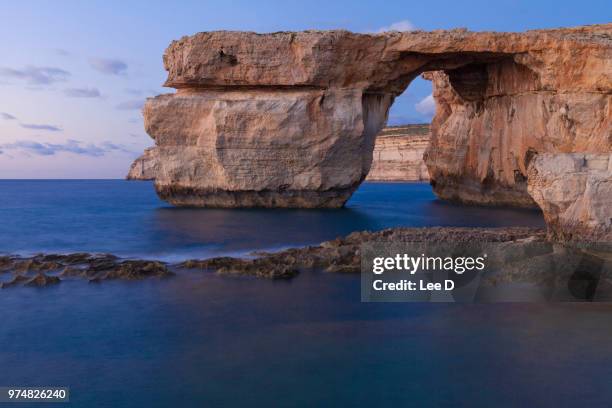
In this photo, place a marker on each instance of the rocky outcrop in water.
(289, 119)
(398, 154)
(339, 255)
(575, 194)
(342, 255)
(515, 254)
(50, 269)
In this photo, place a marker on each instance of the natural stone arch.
(289, 119)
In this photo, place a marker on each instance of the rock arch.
(289, 119)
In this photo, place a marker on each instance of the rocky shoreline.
(50, 269)
(341, 255)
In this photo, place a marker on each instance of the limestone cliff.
(289, 119)
(481, 143)
(398, 154)
(575, 193)
(145, 167)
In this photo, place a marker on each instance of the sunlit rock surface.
(575, 194)
(289, 119)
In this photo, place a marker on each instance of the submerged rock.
(260, 267)
(47, 269)
(15, 281)
(136, 269)
(42, 280)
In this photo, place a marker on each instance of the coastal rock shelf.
(342, 255)
(289, 119)
(398, 154)
(50, 269)
(516, 254)
(339, 255)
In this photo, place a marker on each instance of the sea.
(202, 340)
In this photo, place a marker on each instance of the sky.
(74, 75)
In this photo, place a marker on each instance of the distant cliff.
(145, 166)
(398, 154)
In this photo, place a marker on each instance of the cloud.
(133, 91)
(108, 66)
(82, 92)
(140, 92)
(70, 146)
(131, 105)
(110, 146)
(427, 106)
(62, 52)
(7, 116)
(50, 128)
(37, 75)
(404, 25)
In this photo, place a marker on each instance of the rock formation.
(342, 255)
(480, 148)
(145, 167)
(289, 119)
(575, 194)
(50, 269)
(339, 255)
(398, 154)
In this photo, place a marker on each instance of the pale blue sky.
(73, 74)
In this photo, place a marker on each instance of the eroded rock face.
(145, 167)
(289, 119)
(482, 142)
(575, 194)
(398, 154)
(268, 148)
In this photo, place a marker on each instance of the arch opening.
(476, 152)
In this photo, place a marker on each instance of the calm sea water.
(202, 340)
(127, 218)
